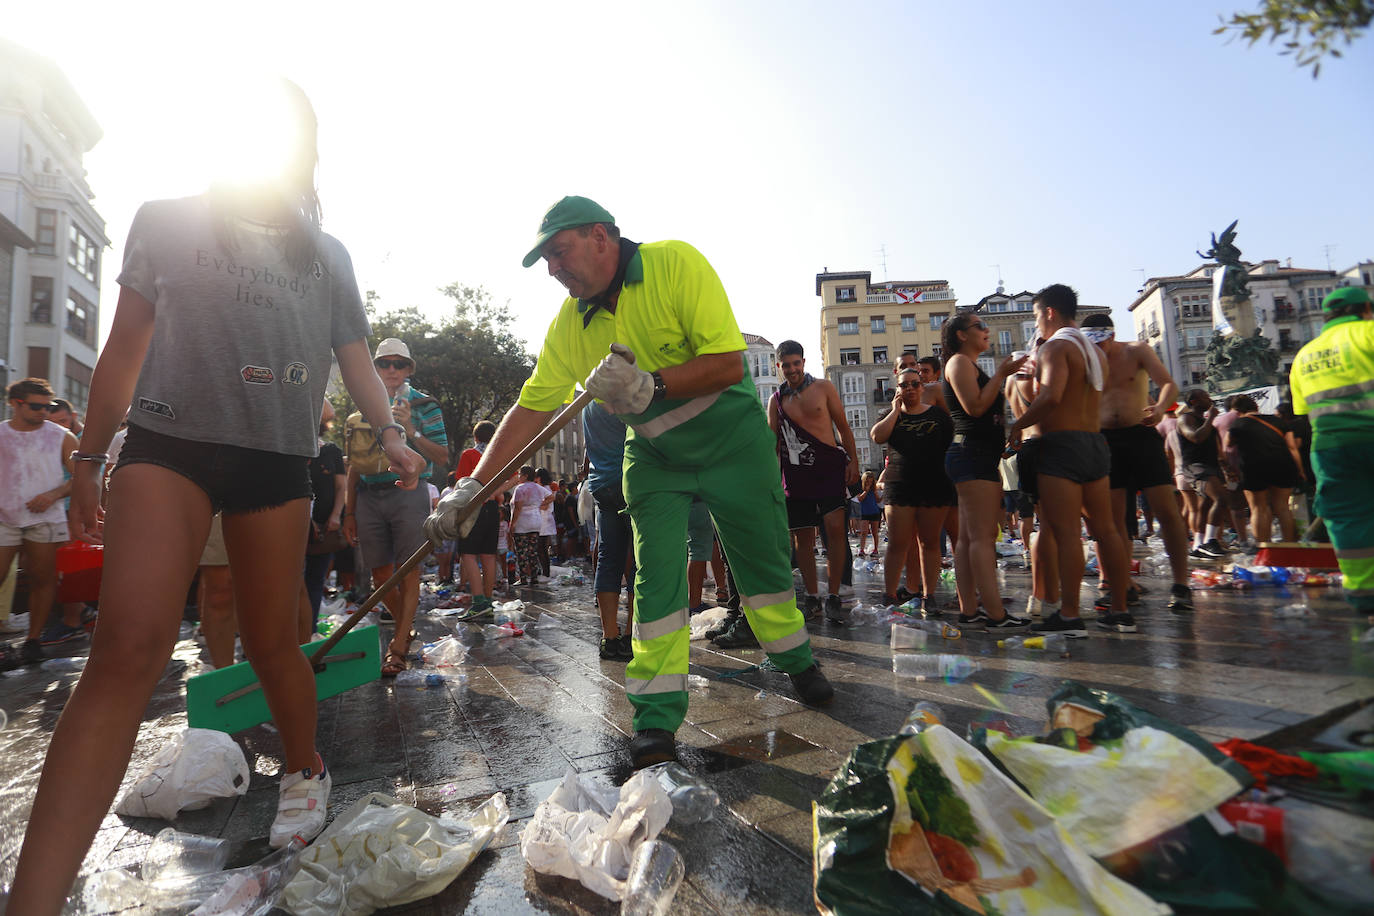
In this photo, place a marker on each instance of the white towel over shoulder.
(1092, 357)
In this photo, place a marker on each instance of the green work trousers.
(741, 485)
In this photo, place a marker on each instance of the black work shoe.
(812, 687)
(724, 626)
(810, 606)
(31, 653)
(835, 611)
(1180, 598)
(617, 648)
(1120, 623)
(739, 636)
(651, 746)
(903, 596)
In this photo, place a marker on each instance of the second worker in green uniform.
(696, 430)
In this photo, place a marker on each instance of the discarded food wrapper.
(589, 832)
(192, 770)
(380, 853)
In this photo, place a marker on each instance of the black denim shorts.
(236, 479)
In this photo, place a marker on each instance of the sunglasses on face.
(978, 326)
(49, 407)
(392, 363)
(905, 385)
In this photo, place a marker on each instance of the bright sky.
(1065, 141)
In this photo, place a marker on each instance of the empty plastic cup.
(174, 854)
(655, 874)
(905, 637)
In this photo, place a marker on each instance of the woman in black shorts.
(1270, 468)
(918, 491)
(976, 405)
(230, 308)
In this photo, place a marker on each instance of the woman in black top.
(1270, 468)
(918, 492)
(976, 406)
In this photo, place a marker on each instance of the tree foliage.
(469, 361)
(1309, 29)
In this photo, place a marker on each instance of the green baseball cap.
(568, 213)
(1346, 295)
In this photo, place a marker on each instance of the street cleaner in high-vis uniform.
(1333, 380)
(649, 328)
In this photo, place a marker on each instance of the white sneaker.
(301, 804)
(1033, 606)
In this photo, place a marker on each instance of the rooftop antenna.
(882, 258)
(998, 268)
(1328, 248)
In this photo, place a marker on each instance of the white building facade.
(50, 327)
(762, 360)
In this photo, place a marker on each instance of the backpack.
(360, 444)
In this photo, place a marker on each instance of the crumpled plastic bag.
(445, 653)
(380, 853)
(588, 832)
(1115, 795)
(193, 769)
(705, 620)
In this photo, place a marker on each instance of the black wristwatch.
(660, 389)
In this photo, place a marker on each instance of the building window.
(857, 417)
(880, 354)
(877, 324)
(83, 254)
(40, 300)
(38, 362)
(863, 455)
(936, 320)
(844, 294)
(849, 357)
(908, 323)
(853, 382)
(46, 236)
(81, 317)
(1004, 342)
(849, 325)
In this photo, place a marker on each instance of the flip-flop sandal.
(395, 663)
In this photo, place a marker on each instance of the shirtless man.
(1073, 461)
(932, 388)
(1138, 460)
(804, 414)
(1020, 392)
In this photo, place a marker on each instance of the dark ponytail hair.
(950, 333)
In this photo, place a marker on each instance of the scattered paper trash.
(590, 832)
(380, 853)
(194, 768)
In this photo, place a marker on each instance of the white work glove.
(619, 384)
(442, 524)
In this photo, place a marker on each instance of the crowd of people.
(205, 451)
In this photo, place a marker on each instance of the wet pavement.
(531, 706)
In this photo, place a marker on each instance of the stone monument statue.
(1235, 282)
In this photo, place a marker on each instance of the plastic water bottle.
(1051, 642)
(655, 874)
(936, 628)
(934, 667)
(923, 715)
(694, 802)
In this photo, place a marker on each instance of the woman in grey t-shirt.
(230, 307)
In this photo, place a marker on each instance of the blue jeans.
(613, 538)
